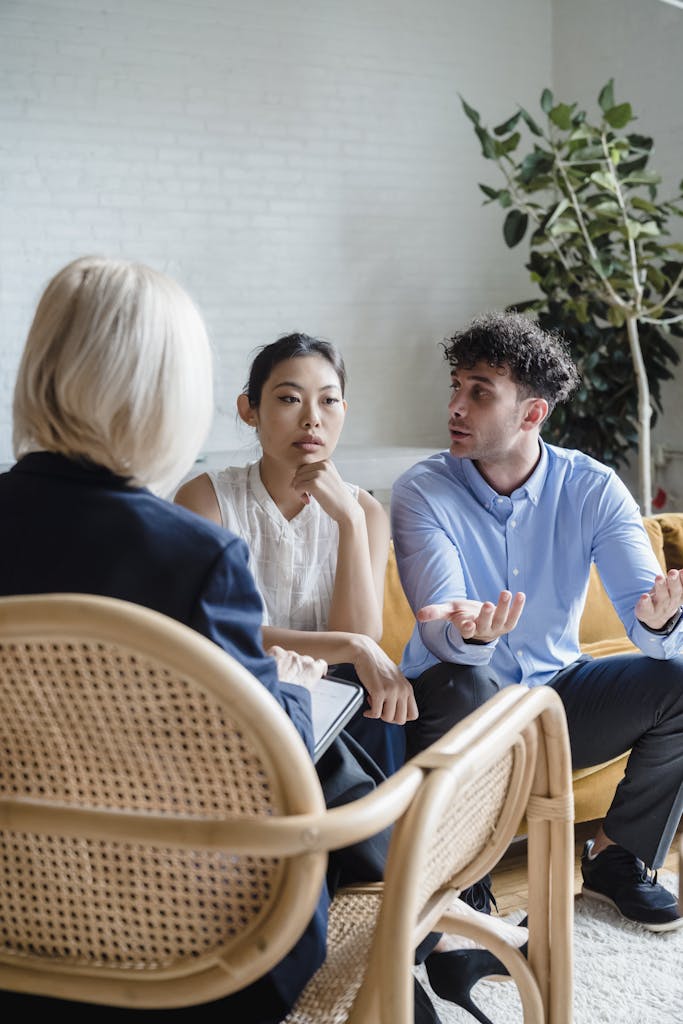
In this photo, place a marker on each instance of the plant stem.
(644, 417)
(632, 255)
(611, 296)
(659, 320)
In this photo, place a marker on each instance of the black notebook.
(333, 702)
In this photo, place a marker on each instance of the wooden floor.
(510, 876)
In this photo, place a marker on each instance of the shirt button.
(519, 654)
(515, 572)
(513, 523)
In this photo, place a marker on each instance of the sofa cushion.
(671, 524)
(398, 620)
(599, 621)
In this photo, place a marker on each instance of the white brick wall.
(296, 165)
(639, 43)
(300, 166)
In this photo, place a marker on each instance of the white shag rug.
(623, 974)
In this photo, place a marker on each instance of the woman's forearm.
(336, 647)
(355, 606)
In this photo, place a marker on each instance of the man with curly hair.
(495, 540)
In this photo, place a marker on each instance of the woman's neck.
(277, 480)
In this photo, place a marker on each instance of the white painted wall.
(639, 43)
(297, 165)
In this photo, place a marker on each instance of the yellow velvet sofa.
(601, 634)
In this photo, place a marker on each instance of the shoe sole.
(667, 926)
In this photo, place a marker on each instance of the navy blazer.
(71, 526)
(68, 526)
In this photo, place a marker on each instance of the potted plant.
(600, 251)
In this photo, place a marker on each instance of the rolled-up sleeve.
(628, 567)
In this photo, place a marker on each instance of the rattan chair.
(511, 754)
(164, 836)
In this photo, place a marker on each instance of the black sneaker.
(615, 876)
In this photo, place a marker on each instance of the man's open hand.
(663, 601)
(477, 620)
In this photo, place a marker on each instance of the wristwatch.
(668, 627)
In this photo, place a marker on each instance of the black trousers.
(626, 702)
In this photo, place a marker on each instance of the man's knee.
(466, 687)
(445, 694)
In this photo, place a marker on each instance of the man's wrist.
(668, 626)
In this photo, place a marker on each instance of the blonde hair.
(116, 369)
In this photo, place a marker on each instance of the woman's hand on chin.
(321, 480)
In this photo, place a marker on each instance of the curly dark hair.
(539, 361)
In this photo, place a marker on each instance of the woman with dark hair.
(318, 545)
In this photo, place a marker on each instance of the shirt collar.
(45, 463)
(485, 494)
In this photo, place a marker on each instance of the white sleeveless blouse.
(293, 561)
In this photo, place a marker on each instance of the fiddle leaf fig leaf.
(640, 142)
(507, 126)
(563, 226)
(492, 193)
(604, 180)
(587, 155)
(546, 101)
(606, 208)
(510, 145)
(470, 111)
(530, 123)
(488, 143)
(535, 163)
(656, 278)
(557, 212)
(561, 115)
(515, 227)
(643, 204)
(642, 178)
(606, 97)
(619, 116)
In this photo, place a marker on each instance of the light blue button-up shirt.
(455, 537)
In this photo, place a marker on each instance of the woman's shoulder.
(231, 474)
(232, 482)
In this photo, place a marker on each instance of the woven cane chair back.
(472, 787)
(126, 741)
(510, 756)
